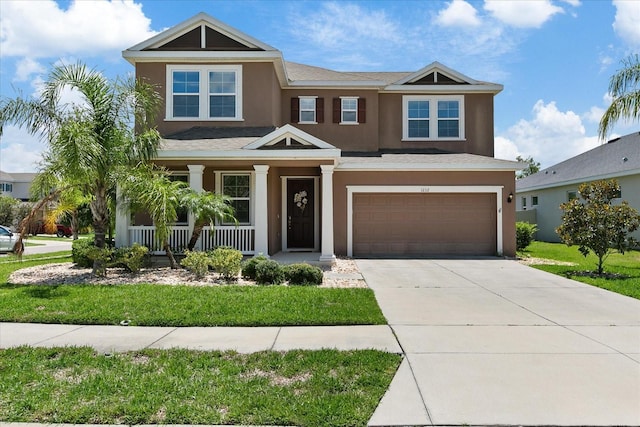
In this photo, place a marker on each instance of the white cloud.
(522, 14)
(26, 67)
(19, 150)
(43, 30)
(627, 21)
(458, 13)
(594, 114)
(551, 136)
(339, 25)
(574, 3)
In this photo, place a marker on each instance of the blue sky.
(554, 57)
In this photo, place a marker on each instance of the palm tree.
(624, 87)
(207, 208)
(92, 144)
(150, 190)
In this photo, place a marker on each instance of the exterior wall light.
(510, 198)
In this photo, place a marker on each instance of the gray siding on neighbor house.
(549, 214)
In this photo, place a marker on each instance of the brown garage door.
(420, 224)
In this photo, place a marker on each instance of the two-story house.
(361, 164)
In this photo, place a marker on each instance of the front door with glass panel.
(300, 213)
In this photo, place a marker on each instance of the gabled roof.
(286, 142)
(618, 157)
(436, 73)
(204, 39)
(288, 133)
(206, 22)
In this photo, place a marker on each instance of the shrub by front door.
(300, 213)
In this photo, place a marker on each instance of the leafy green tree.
(594, 223)
(624, 87)
(92, 144)
(7, 208)
(532, 167)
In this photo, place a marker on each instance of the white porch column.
(327, 254)
(261, 243)
(195, 182)
(123, 221)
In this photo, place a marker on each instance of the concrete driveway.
(491, 341)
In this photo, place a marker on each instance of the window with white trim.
(238, 188)
(534, 200)
(307, 109)
(204, 92)
(6, 187)
(432, 117)
(348, 110)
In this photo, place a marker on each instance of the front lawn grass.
(166, 305)
(305, 388)
(622, 272)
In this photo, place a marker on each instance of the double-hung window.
(238, 188)
(433, 117)
(307, 110)
(204, 92)
(348, 110)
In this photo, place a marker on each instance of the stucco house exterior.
(16, 185)
(364, 164)
(538, 196)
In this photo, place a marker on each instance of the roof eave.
(200, 56)
(578, 180)
(479, 88)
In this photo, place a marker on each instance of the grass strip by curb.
(305, 388)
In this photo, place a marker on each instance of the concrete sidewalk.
(109, 339)
(493, 342)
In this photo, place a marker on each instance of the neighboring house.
(363, 164)
(16, 185)
(539, 196)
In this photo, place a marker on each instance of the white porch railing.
(241, 238)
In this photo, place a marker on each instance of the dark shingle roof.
(620, 156)
(206, 132)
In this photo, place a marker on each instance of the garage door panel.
(419, 224)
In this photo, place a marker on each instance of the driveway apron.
(491, 341)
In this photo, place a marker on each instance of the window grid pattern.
(237, 188)
(222, 94)
(307, 110)
(186, 94)
(349, 109)
(448, 119)
(418, 116)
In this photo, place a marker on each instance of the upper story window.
(349, 110)
(432, 117)
(204, 92)
(307, 110)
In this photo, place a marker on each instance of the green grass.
(622, 271)
(165, 305)
(305, 388)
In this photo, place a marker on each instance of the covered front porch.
(280, 185)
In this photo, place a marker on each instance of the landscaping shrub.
(524, 234)
(196, 262)
(104, 256)
(79, 252)
(249, 266)
(269, 272)
(132, 258)
(227, 262)
(303, 274)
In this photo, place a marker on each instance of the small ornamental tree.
(594, 224)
